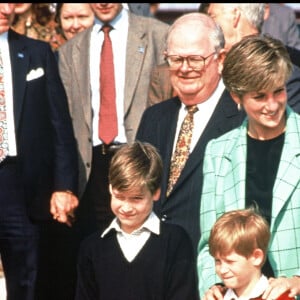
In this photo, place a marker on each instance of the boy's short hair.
(136, 165)
(242, 231)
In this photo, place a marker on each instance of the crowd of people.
(146, 160)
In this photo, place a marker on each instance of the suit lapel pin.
(141, 49)
(20, 55)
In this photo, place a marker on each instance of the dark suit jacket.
(282, 25)
(46, 146)
(158, 127)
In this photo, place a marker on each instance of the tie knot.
(192, 109)
(106, 28)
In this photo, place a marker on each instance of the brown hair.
(136, 165)
(241, 231)
(256, 63)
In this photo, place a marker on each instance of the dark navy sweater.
(164, 269)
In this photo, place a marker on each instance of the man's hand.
(62, 206)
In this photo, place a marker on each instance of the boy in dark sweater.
(137, 257)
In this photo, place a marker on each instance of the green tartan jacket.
(224, 189)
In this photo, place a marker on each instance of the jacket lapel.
(81, 59)
(135, 54)
(236, 178)
(19, 65)
(288, 171)
(169, 121)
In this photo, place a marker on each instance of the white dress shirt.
(118, 37)
(132, 243)
(12, 148)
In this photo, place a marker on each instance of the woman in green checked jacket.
(256, 164)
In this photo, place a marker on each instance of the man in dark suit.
(242, 19)
(38, 177)
(195, 54)
(281, 23)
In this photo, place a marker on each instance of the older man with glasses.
(194, 55)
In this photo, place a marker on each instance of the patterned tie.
(182, 149)
(108, 123)
(3, 122)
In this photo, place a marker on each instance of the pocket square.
(35, 73)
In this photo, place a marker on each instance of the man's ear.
(156, 195)
(221, 58)
(267, 11)
(236, 17)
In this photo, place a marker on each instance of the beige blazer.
(144, 33)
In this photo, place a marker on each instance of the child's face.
(132, 207)
(239, 272)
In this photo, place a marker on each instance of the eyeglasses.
(195, 62)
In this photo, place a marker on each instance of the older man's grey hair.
(214, 31)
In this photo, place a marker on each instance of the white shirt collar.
(120, 22)
(213, 99)
(257, 291)
(3, 36)
(152, 224)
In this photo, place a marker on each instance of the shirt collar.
(118, 23)
(3, 36)
(257, 291)
(214, 97)
(151, 224)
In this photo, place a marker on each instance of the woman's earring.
(239, 106)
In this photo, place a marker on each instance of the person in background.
(238, 242)
(137, 256)
(195, 55)
(154, 8)
(242, 19)
(73, 18)
(203, 7)
(160, 84)
(141, 9)
(36, 20)
(256, 164)
(280, 22)
(39, 164)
